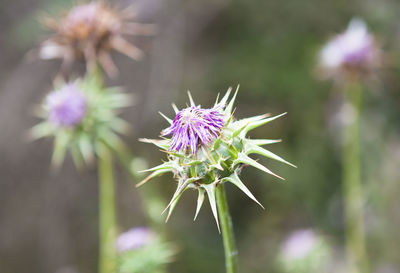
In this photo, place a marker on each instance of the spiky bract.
(99, 126)
(218, 161)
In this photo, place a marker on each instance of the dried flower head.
(354, 51)
(90, 31)
(82, 116)
(218, 146)
(66, 106)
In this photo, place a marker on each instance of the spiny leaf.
(160, 143)
(110, 139)
(255, 124)
(119, 125)
(243, 158)
(234, 179)
(41, 130)
(217, 142)
(261, 142)
(254, 149)
(77, 156)
(167, 118)
(152, 175)
(210, 189)
(86, 148)
(238, 131)
(243, 122)
(119, 100)
(191, 99)
(165, 165)
(60, 148)
(173, 205)
(216, 100)
(200, 200)
(214, 163)
(182, 186)
(228, 109)
(175, 108)
(226, 96)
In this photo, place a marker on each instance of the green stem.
(107, 218)
(352, 190)
(231, 252)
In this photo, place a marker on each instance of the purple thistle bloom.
(135, 238)
(67, 106)
(194, 125)
(353, 47)
(299, 244)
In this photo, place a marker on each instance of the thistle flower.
(135, 238)
(354, 51)
(219, 149)
(142, 250)
(67, 106)
(194, 125)
(304, 251)
(299, 244)
(82, 116)
(91, 31)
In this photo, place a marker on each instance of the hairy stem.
(352, 189)
(107, 218)
(231, 252)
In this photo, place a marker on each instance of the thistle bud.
(90, 31)
(66, 106)
(82, 115)
(209, 147)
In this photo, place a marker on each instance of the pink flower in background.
(299, 244)
(135, 238)
(354, 48)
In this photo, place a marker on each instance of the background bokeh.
(48, 220)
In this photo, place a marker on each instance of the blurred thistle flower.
(299, 244)
(142, 250)
(67, 106)
(353, 52)
(209, 147)
(135, 238)
(81, 116)
(90, 31)
(304, 251)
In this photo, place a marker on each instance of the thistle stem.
(231, 252)
(352, 189)
(107, 218)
